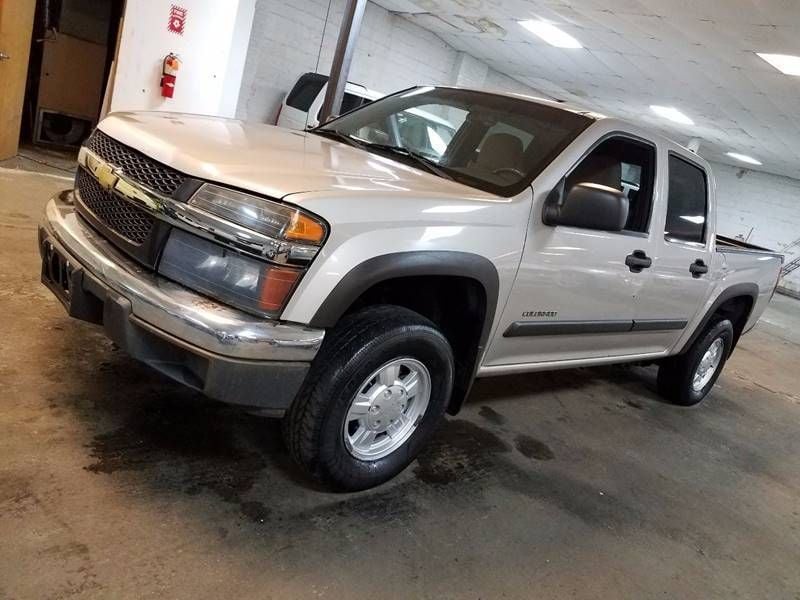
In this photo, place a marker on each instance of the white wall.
(237, 57)
(767, 204)
(285, 42)
(391, 54)
(468, 71)
(213, 49)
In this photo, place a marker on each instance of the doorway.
(71, 46)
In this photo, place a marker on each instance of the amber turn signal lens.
(277, 286)
(305, 229)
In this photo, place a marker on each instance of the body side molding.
(659, 324)
(534, 328)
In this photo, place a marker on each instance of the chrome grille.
(118, 214)
(135, 165)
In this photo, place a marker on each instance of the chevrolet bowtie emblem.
(105, 176)
(113, 180)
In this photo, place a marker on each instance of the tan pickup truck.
(354, 279)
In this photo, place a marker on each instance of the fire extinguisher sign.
(177, 19)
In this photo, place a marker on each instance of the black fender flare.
(410, 264)
(735, 291)
(445, 263)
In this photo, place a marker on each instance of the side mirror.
(587, 205)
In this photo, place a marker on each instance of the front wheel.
(374, 395)
(687, 379)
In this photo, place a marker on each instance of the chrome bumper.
(170, 310)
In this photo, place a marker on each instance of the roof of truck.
(596, 116)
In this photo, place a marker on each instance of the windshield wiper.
(420, 159)
(342, 137)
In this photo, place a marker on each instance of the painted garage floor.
(115, 483)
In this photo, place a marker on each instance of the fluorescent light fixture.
(744, 158)
(785, 63)
(551, 34)
(671, 113)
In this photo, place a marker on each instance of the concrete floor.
(42, 160)
(115, 483)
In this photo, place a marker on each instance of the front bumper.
(225, 353)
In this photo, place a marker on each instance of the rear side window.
(305, 91)
(350, 102)
(687, 205)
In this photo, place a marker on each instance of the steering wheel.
(508, 170)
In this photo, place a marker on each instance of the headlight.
(241, 281)
(268, 218)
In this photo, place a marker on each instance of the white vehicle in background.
(301, 106)
(427, 133)
(415, 129)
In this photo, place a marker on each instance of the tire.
(676, 375)
(363, 343)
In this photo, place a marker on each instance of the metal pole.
(340, 68)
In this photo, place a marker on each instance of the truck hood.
(272, 161)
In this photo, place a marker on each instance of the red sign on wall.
(177, 19)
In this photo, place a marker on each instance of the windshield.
(488, 141)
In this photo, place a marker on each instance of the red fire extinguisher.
(169, 73)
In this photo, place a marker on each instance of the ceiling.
(695, 55)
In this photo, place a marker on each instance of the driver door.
(574, 298)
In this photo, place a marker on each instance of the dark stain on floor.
(183, 444)
(491, 415)
(188, 443)
(464, 460)
(577, 497)
(459, 451)
(634, 404)
(362, 511)
(175, 442)
(533, 448)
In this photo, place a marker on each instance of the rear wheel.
(375, 394)
(687, 379)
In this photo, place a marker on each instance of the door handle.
(4, 56)
(698, 268)
(638, 261)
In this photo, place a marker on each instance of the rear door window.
(306, 90)
(350, 102)
(687, 202)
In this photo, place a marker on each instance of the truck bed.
(726, 244)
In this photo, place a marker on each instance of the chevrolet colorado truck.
(354, 279)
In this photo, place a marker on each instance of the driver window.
(626, 165)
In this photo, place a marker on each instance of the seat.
(601, 169)
(633, 214)
(501, 150)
